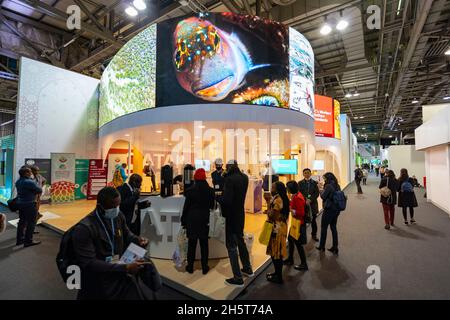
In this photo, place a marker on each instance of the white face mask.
(112, 213)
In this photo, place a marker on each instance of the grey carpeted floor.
(414, 260)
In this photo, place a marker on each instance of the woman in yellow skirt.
(278, 214)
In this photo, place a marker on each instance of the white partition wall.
(433, 137)
(57, 111)
(406, 156)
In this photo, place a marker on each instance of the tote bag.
(266, 233)
(294, 231)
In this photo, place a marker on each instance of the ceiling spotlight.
(132, 12)
(342, 25)
(356, 118)
(356, 94)
(165, 139)
(348, 95)
(390, 136)
(139, 4)
(287, 130)
(447, 53)
(447, 98)
(415, 101)
(362, 117)
(158, 131)
(325, 30)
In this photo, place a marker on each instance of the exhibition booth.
(182, 92)
(433, 139)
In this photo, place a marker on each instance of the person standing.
(149, 171)
(310, 191)
(365, 175)
(388, 197)
(358, 178)
(217, 175)
(27, 192)
(130, 193)
(330, 213)
(200, 199)
(298, 204)
(232, 204)
(406, 196)
(99, 240)
(377, 170)
(278, 214)
(40, 181)
(382, 171)
(267, 172)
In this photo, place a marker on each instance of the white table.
(162, 232)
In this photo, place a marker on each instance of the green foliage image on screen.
(128, 83)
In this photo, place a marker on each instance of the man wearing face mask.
(98, 241)
(217, 176)
(129, 205)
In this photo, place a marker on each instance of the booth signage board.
(81, 178)
(337, 122)
(324, 116)
(62, 177)
(96, 178)
(45, 167)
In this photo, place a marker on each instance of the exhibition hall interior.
(225, 150)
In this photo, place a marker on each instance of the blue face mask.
(112, 213)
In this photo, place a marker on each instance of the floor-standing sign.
(45, 168)
(63, 177)
(81, 178)
(97, 178)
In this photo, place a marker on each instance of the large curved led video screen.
(210, 58)
(128, 83)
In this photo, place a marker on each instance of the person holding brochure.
(98, 242)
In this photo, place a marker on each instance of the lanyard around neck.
(111, 241)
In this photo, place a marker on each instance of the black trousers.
(411, 213)
(314, 225)
(300, 250)
(329, 218)
(358, 185)
(237, 249)
(27, 223)
(192, 246)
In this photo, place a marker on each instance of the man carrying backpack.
(406, 196)
(358, 177)
(98, 241)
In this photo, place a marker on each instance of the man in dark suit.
(232, 203)
(217, 175)
(310, 190)
(129, 206)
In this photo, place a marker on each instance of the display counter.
(161, 223)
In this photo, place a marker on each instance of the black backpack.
(66, 254)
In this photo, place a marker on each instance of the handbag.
(150, 275)
(266, 233)
(294, 231)
(12, 204)
(385, 191)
